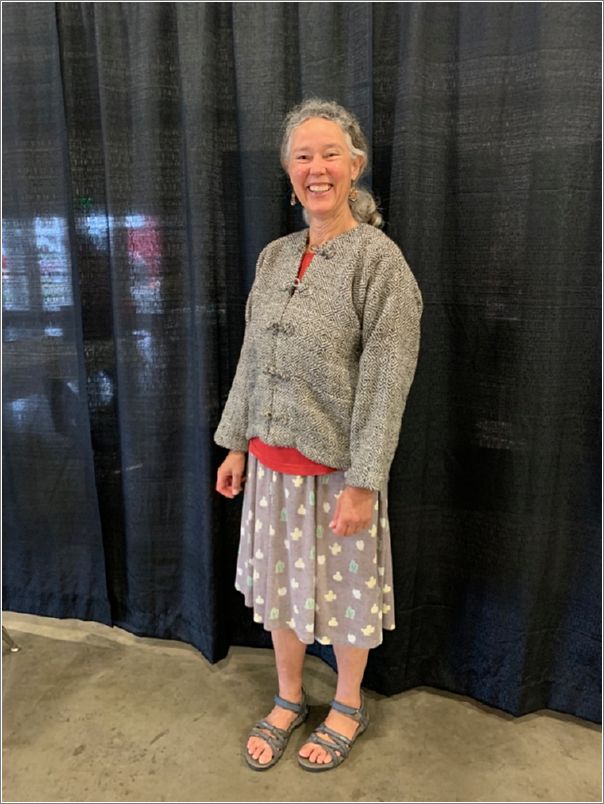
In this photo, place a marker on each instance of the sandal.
(340, 742)
(278, 738)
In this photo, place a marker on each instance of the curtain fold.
(141, 180)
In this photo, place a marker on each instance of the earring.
(293, 200)
(353, 194)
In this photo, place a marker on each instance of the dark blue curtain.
(141, 179)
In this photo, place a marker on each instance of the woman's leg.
(289, 658)
(351, 669)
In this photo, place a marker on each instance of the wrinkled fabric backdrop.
(141, 179)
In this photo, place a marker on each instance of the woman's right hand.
(231, 474)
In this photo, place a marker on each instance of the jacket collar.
(297, 241)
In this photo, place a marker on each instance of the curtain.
(141, 180)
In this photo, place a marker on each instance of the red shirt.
(288, 459)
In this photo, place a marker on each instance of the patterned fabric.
(327, 369)
(288, 459)
(295, 573)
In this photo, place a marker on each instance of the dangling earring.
(293, 200)
(353, 194)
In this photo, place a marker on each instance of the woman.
(329, 354)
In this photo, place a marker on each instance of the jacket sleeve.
(390, 346)
(232, 428)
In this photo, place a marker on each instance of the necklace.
(314, 248)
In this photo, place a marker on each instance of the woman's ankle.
(291, 693)
(350, 699)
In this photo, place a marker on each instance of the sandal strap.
(264, 724)
(294, 707)
(277, 738)
(359, 714)
(339, 741)
(346, 710)
(329, 747)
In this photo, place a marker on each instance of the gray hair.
(364, 209)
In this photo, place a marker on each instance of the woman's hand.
(230, 474)
(353, 511)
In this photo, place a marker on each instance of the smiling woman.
(329, 354)
(307, 142)
(322, 170)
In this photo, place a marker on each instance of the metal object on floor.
(13, 647)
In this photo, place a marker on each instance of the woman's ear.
(357, 167)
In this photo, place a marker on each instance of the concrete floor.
(93, 713)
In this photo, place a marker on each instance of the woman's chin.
(321, 210)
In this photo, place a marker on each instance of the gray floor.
(93, 713)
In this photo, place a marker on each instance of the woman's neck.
(322, 231)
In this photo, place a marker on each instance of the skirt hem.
(322, 640)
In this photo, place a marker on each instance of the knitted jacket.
(327, 362)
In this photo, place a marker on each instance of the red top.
(288, 459)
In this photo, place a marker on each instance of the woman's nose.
(317, 164)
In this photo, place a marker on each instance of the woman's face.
(321, 168)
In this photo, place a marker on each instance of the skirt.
(294, 572)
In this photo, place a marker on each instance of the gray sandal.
(278, 738)
(340, 742)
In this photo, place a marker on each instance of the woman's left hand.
(353, 511)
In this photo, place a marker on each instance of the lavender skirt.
(295, 573)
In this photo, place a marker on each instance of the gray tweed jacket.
(327, 361)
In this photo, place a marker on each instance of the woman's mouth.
(319, 189)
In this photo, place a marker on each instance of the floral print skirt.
(294, 572)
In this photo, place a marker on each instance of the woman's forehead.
(317, 128)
